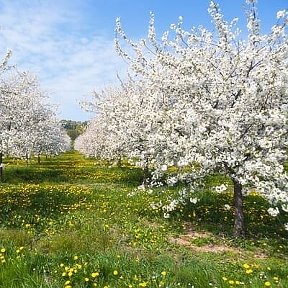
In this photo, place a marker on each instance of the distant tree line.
(74, 128)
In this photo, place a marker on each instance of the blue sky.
(68, 44)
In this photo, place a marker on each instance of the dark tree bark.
(239, 225)
(146, 173)
(1, 166)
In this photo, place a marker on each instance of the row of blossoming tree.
(28, 124)
(205, 100)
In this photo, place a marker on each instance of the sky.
(68, 44)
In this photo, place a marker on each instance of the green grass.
(75, 222)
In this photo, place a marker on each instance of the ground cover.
(76, 222)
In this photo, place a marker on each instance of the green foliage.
(74, 128)
(74, 222)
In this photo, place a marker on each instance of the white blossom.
(194, 200)
(273, 211)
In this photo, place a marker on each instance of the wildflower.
(115, 273)
(3, 250)
(163, 273)
(267, 284)
(86, 279)
(249, 271)
(246, 266)
(95, 274)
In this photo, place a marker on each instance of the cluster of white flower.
(273, 211)
(228, 116)
(220, 188)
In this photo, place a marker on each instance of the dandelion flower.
(249, 271)
(95, 274)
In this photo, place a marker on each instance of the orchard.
(178, 180)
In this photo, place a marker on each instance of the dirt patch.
(202, 241)
(185, 240)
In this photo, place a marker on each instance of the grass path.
(74, 222)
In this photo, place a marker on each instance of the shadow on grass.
(215, 213)
(71, 173)
(34, 208)
(33, 174)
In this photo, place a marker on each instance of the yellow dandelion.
(267, 284)
(249, 271)
(163, 273)
(246, 266)
(95, 274)
(3, 250)
(115, 273)
(86, 279)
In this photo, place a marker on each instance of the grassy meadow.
(75, 222)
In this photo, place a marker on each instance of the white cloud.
(46, 37)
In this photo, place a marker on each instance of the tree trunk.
(27, 159)
(239, 228)
(119, 162)
(146, 173)
(1, 166)
(38, 159)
